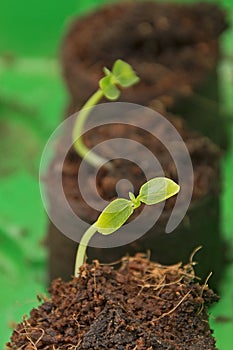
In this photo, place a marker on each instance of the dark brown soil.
(204, 154)
(199, 227)
(141, 306)
(173, 48)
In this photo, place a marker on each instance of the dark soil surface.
(199, 228)
(204, 154)
(173, 48)
(141, 306)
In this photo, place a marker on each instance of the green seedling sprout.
(121, 76)
(119, 210)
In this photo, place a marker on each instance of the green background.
(32, 101)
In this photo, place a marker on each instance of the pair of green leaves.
(119, 210)
(122, 75)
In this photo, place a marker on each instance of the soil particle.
(142, 305)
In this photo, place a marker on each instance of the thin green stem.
(79, 146)
(81, 252)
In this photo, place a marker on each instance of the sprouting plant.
(121, 76)
(119, 210)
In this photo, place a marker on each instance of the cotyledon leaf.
(114, 216)
(157, 190)
(109, 89)
(124, 74)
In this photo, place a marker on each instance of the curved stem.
(81, 252)
(79, 146)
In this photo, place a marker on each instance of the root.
(34, 344)
(173, 309)
(202, 291)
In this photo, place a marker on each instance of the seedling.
(119, 210)
(121, 76)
